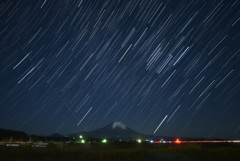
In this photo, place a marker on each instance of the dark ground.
(123, 152)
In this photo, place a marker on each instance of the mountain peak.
(118, 125)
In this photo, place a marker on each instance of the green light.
(82, 141)
(104, 140)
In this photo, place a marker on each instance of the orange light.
(177, 141)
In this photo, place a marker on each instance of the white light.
(104, 140)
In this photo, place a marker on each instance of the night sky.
(164, 67)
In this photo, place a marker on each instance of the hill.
(13, 135)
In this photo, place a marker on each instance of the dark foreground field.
(123, 152)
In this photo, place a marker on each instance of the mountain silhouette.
(116, 130)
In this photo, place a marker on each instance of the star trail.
(162, 67)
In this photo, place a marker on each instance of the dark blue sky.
(161, 67)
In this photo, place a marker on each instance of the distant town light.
(236, 141)
(80, 136)
(139, 140)
(83, 141)
(104, 140)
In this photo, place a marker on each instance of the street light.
(104, 140)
